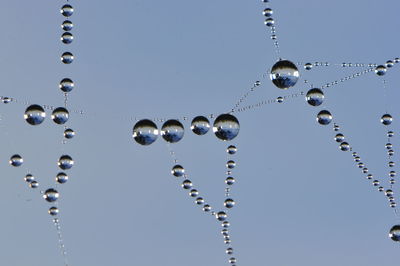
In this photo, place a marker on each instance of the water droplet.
(232, 260)
(53, 211)
(67, 10)
(199, 201)
(230, 181)
(390, 134)
(221, 216)
(225, 224)
(336, 127)
(392, 181)
(172, 131)
(389, 146)
(392, 173)
(16, 160)
(375, 183)
(226, 127)
(34, 114)
(61, 178)
(193, 193)
(33, 184)
(389, 193)
(67, 58)
(380, 70)
(268, 12)
(67, 25)
(229, 203)
(381, 189)
(200, 125)
(269, 22)
(315, 97)
(66, 85)
(29, 178)
(145, 132)
(369, 176)
(324, 117)
(284, 74)
(344, 146)
(279, 99)
(69, 133)
(339, 137)
(231, 149)
(386, 119)
(178, 170)
(230, 164)
(389, 63)
(6, 99)
(187, 184)
(206, 208)
(51, 195)
(67, 37)
(394, 233)
(391, 164)
(390, 152)
(393, 204)
(365, 170)
(65, 162)
(308, 66)
(360, 165)
(60, 115)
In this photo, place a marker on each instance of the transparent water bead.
(284, 74)
(231, 149)
(226, 127)
(67, 37)
(207, 208)
(230, 181)
(193, 193)
(69, 133)
(145, 132)
(380, 70)
(221, 216)
(225, 224)
(199, 201)
(29, 178)
(389, 146)
(178, 170)
(279, 99)
(51, 195)
(229, 251)
(389, 63)
(200, 125)
(339, 137)
(6, 100)
(67, 10)
(308, 66)
(67, 25)
(344, 146)
(232, 260)
(172, 131)
(67, 58)
(65, 162)
(61, 178)
(389, 193)
(34, 184)
(394, 233)
(53, 211)
(187, 184)
(390, 134)
(230, 164)
(391, 164)
(324, 117)
(268, 12)
(386, 119)
(390, 152)
(60, 115)
(34, 114)
(16, 160)
(269, 22)
(315, 97)
(229, 203)
(66, 85)
(392, 173)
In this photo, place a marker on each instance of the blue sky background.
(300, 201)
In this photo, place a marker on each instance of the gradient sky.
(300, 201)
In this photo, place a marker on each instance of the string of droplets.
(221, 216)
(270, 22)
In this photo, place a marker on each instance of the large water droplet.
(34, 114)
(380, 70)
(187, 184)
(67, 37)
(67, 25)
(16, 160)
(145, 132)
(51, 195)
(61, 178)
(221, 216)
(226, 127)
(315, 97)
(67, 10)
(344, 146)
(66, 85)
(172, 131)
(67, 58)
(324, 117)
(386, 119)
(394, 233)
(268, 12)
(178, 170)
(60, 115)
(284, 74)
(200, 125)
(229, 203)
(230, 181)
(230, 164)
(339, 137)
(65, 162)
(231, 149)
